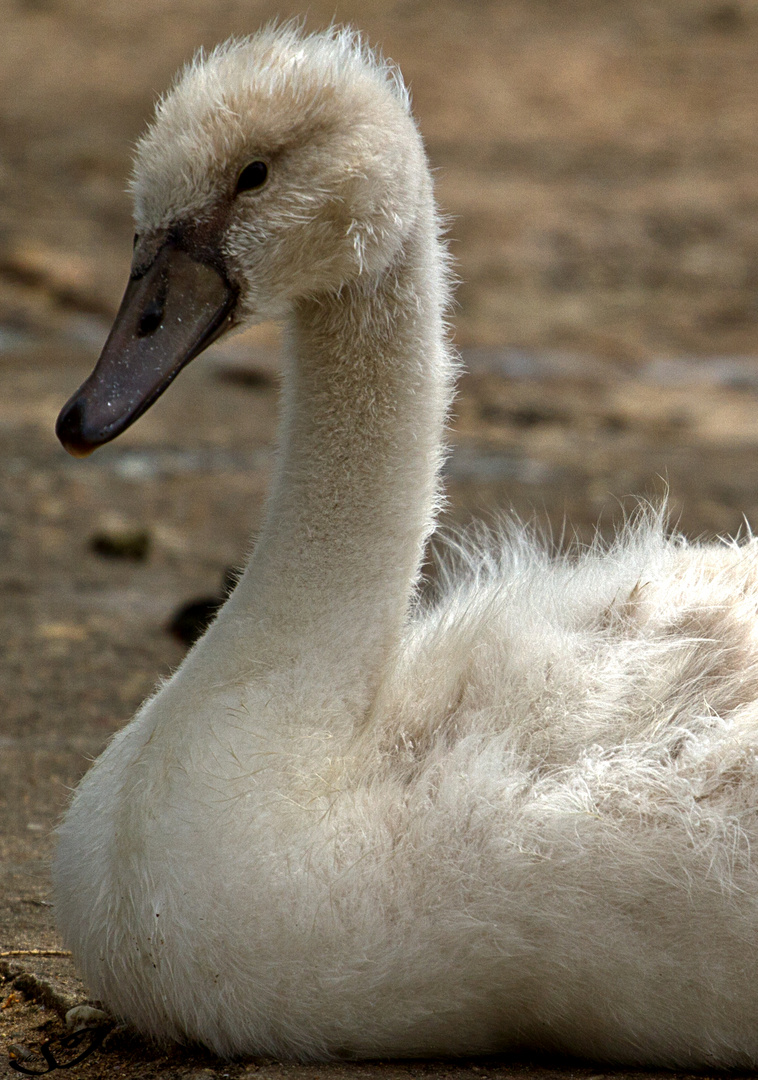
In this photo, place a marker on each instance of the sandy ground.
(599, 163)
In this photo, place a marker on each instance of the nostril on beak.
(151, 318)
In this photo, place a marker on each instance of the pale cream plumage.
(348, 824)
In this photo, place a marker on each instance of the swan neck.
(366, 393)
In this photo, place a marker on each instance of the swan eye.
(252, 176)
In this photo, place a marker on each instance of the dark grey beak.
(170, 312)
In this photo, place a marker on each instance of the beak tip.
(70, 428)
(79, 451)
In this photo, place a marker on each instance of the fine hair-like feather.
(359, 823)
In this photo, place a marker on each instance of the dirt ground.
(599, 163)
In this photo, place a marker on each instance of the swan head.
(276, 169)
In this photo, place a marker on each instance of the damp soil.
(599, 164)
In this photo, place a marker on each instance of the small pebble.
(118, 539)
(19, 1053)
(191, 620)
(85, 1016)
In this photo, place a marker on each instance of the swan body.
(351, 824)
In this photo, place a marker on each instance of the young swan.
(522, 817)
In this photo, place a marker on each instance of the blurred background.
(597, 158)
(598, 162)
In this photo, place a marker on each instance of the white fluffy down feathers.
(525, 815)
